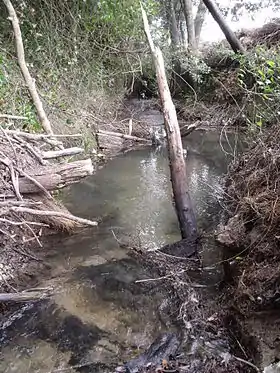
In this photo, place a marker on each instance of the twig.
(8, 116)
(247, 362)
(72, 367)
(31, 149)
(54, 213)
(7, 162)
(21, 252)
(160, 278)
(34, 234)
(18, 203)
(10, 142)
(4, 220)
(115, 237)
(37, 136)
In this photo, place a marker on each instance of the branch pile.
(268, 34)
(28, 176)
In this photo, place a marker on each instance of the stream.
(99, 316)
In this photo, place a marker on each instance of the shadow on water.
(99, 315)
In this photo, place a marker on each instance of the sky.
(212, 32)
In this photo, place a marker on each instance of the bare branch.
(54, 213)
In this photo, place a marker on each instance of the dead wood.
(62, 153)
(27, 207)
(14, 117)
(55, 177)
(30, 82)
(123, 135)
(177, 165)
(23, 296)
(39, 136)
(56, 214)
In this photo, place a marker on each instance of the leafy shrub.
(259, 77)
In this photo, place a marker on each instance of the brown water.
(98, 315)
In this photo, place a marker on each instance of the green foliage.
(14, 99)
(89, 41)
(259, 77)
(196, 67)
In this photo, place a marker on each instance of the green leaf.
(271, 63)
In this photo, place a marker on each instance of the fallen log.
(61, 153)
(56, 176)
(124, 136)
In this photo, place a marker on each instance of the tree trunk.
(198, 22)
(173, 27)
(188, 12)
(30, 82)
(229, 34)
(184, 36)
(177, 165)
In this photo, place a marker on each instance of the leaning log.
(177, 165)
(56, 176)
(229, 34)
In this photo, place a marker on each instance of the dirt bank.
(251, 239)
(211, 338)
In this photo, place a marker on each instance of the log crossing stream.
(99, 316)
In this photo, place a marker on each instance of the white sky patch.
(212, 32)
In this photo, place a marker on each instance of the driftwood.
(177, 165)
(56, 176)
(124, 136)
(24, 296)
(59, 214)
(37, 136)
(61, 153)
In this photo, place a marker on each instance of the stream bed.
(99, 316)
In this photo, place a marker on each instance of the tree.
(199, 20)
(173, 27)
(188, 12)
(229, 34)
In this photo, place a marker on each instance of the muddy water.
(99, 315)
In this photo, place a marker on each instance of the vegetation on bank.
(86, 57)
(101, 55)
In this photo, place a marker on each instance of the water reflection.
(134, 190)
